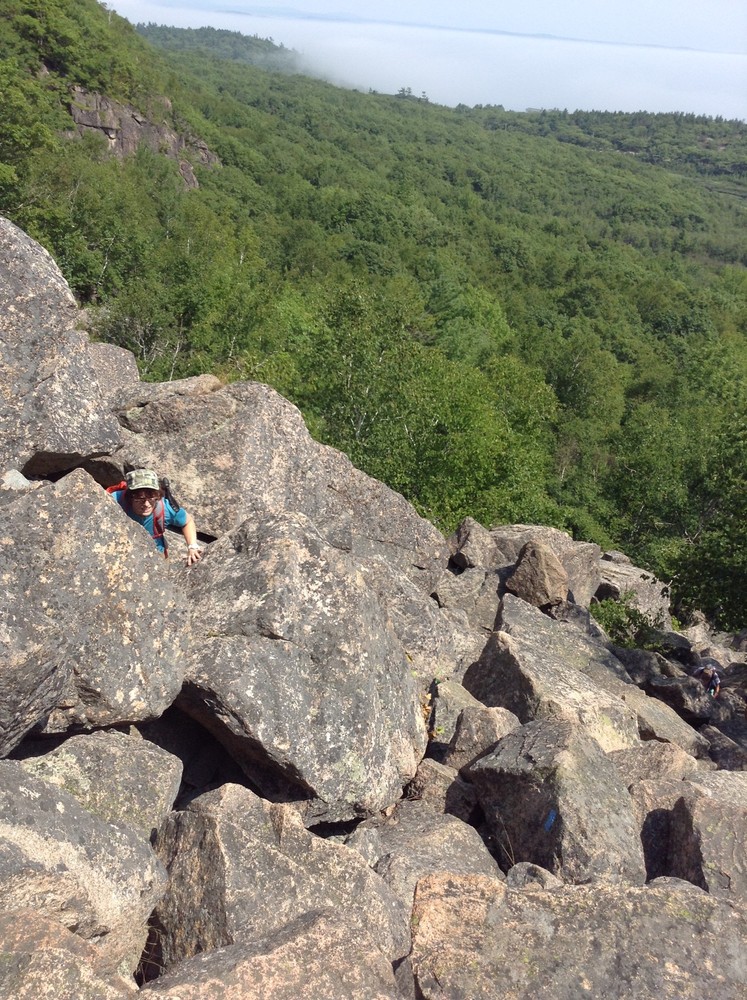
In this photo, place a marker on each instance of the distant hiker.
(140, 496)
(709, 678)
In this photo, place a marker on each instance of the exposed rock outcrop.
(125, 130)
(620, 579)
(52, 412)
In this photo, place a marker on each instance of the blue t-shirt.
(171, 518)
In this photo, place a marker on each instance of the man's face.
(144, 501)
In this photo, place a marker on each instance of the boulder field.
(343, 757)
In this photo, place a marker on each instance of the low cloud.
(485, 67)
(520, 72)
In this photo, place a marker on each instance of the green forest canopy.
(535, 317)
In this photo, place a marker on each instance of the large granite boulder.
(100, 880)
(551, 796)
(472, 594)
(116, 371)
(118, 777)
(314, 956)
(580, 560)
(620, 579)
(414, 841)
(654, 761)
(240, 867)
(477, 731)
(52, 411)
(539, 577)
(474, 546)
(34, 671)
(41, 960)
(654, 801)
(438, 644)
(475, 937)
(296, 669)
(540, 669)
(104, 608)
(449, 699)
(708, 834)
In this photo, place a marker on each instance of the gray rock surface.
(69, 550)
(580, 560)
(473, 545)
(647, 594)
(653, 802)
(473, 594)
(657, 721)
(52, 411)
(441, 788)
(539, 577)
(437, 643)
(34, 670)
(296, 669)
(539, 669)
(708, 834)
(97, 879)
(41, 960)
(552, 797)
(477, 731)
(119, 778)
(448, 700)
(473, 937)
(313, 956)
(240, 867)
(415, 841)
(654, 761)
(116, 372)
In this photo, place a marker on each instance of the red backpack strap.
(117, 488)
(159, 525)
(159, 520)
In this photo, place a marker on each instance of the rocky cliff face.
(125, 129)
(341, 757)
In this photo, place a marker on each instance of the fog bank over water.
(521, 72)
(475, 66)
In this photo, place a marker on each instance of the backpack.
(159, 511)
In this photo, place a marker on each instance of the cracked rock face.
(52, 412)
(297, 670)
(67, 552)
(124, 129)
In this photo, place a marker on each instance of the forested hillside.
(520, 317)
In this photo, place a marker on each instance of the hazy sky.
(652, 55)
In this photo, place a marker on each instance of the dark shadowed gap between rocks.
(206, 763)
(262, 775)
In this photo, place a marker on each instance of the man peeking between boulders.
(708, 676)
(141, 497)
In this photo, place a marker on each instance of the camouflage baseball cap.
(142, 479)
